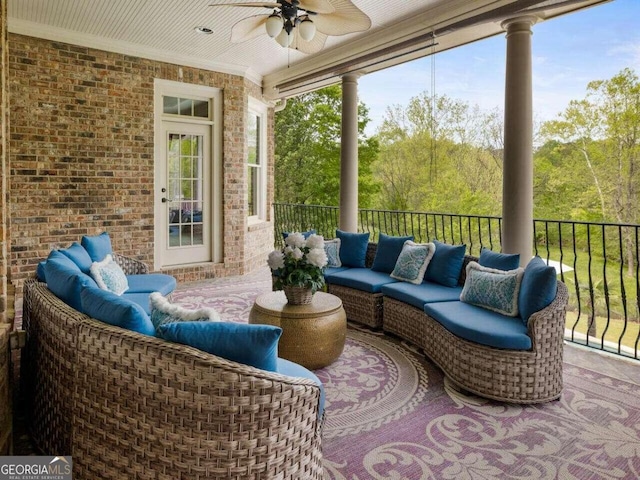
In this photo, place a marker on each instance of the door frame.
(180, 89)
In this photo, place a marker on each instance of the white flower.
(295, 240)
(297, 253)
(317, 257)
(275, 260)
(315, 241)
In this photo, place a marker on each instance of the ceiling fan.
(303, 25)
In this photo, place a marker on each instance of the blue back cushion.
(353, 248)
(97, 246)
(446, 264)
(499, 261)
(387, 253)
(40, 271)
(115, 310)
(79, 255)
(254, 345)
(65, 279)
(538, 288)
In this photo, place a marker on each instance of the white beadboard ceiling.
(164, 30)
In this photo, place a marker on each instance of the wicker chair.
(126, 405)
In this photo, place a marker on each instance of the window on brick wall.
(256, 161)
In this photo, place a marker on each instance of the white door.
(186, 193)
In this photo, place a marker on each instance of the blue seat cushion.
(499, 261)
(361, 279)
(291, 369)
(97, 246)
(151, 282)
(79, 256)
(139, 298)
(418, 295)
(254, 345)
(65, 279)
(538, 288)
(328, 271)
(480, 325)
(353, 248)
(387, 252)
(116, 310)
(446, 264)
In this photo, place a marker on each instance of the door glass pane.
(201, 108)
(185, 180)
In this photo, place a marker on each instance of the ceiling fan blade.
(314, 46)
(247, 4)
(346, 19)
(317, 6)
(248, 28)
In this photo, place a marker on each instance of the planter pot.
(298, 295)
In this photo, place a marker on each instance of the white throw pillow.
(163, 311)
(109, 276)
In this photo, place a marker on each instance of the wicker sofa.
(531, 375)
(128, 405)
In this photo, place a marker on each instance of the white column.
(517, 181)
(349, 154)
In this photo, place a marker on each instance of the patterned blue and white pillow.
(495, 290)
(109, 276)
(413, 262)
(163, 312)
(332, 249)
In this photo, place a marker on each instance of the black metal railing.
(598, 261)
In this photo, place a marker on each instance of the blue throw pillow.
(65, 279)
(353, 248)
(254, 345)
(413, 262)
(538, 289)
(115, 310)
(493, 289)
(40, 271)
(97, 246)
(446, 264)
(387, 252)
(499, 261)
(79, 255)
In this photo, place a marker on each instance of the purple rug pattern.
(391, 415)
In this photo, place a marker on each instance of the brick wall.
(4, 90)
(82, 155)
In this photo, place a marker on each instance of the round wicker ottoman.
(312, 335)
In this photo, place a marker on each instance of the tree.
(307, 150)
(440, 154)
(604, 128)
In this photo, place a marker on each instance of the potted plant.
(298, 267)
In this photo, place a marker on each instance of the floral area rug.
(391, 415)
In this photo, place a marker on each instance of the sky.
(567, 53)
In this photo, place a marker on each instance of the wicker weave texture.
(532, 376)
(361, 307)
(130, 406)
(129, 265)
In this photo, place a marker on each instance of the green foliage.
(440, 155)
(307, 150)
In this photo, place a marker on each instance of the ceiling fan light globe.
(273, 25)
(284, 39)
(307, 30)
